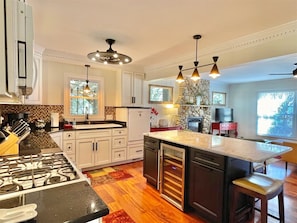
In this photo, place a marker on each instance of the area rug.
(117, 217)
(106, 175)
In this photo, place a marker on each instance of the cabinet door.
(132, 88)
(206, 191)
(102, 154)
(85, 153)
(127, 88)
(151, 166)
(138, 88)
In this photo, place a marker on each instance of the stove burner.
(19, 174)
(9, 188)
(55, 179)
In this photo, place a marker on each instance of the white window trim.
(101, 97)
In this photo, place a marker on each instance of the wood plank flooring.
(144, 204)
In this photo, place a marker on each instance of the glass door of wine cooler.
(173, 174)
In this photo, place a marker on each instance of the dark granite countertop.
(77, 203)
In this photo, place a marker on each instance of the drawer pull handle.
(138, 151)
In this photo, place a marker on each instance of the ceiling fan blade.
(282, 74)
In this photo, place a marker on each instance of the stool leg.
(263, 210)
(233, 199)
(281, 207)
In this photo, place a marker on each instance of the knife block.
(10, 145)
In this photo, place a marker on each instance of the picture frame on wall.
(218, 98)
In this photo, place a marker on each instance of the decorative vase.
(198, 100)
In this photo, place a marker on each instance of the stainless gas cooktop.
(24, 174)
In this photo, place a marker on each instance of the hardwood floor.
(144, 204)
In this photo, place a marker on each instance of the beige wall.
(243, 98)
(53, 81)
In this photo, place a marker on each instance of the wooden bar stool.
(260, 186)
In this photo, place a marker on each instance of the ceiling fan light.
(214, 73)
(109, 56)
(120, 63)
(195, 76)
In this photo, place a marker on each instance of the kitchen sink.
(96, 126)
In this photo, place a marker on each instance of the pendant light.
(87, 89)
(109, 56)
(214, 73)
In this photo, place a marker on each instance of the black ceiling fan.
(294, 72)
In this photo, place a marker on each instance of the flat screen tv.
(224, 114)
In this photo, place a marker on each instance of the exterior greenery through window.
(276, 114)
(81, 103)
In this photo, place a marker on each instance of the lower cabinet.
(209, 184)
(93, 148)
(151, 161)
(206, 189)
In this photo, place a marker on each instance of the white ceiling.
(158, 31)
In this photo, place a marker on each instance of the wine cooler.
(173, 174)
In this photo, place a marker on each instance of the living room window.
(276, 114)
(78, 104)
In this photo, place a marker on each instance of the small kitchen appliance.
(54, 120)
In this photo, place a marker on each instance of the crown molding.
(252, 40)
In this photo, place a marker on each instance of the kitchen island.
(206, 171)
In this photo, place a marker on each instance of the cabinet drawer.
(135, 151)
(68, 135)
(209, 159)
(118, 155)
(151, 142)
(119, 132)
(92, 134)
(69, 146)
(118, 142)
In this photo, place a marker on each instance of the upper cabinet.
(132, 89)
(36, 96)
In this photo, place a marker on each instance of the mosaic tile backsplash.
(42, 111)
(34, 111)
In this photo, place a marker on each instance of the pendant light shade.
(195, 75)
(109, 56)
(87, 89)
(214, 73)
(180, 77)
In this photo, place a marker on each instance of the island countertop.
(232, 147)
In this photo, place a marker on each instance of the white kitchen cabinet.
(36, 96)
(58, 138)
(138, 123)
(132, 88)
(119, 145)
(69, 144)
(93, 148)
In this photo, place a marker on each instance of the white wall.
(243, 98)
(53, 81)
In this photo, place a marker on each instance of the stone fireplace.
(188, 107)
(195, 124)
